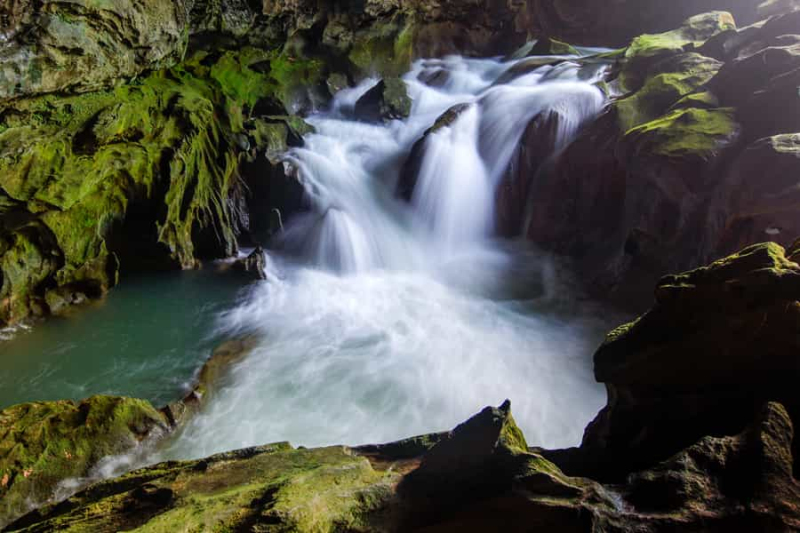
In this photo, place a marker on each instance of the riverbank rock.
(44, 444)
(719, 342)
(210, 378)
(479, 477)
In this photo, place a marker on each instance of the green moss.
(664, 89)
(702, 100)
(44, 443)
(290, 74)
(386, 50)
(273, 487)
(685, 133)
(511, 437)
(694, 32)
(80, 161)
(620, 331)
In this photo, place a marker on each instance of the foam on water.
(382, 319)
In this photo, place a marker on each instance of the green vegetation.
(686, 133)
(44, 443)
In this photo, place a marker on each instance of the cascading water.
(382, 319)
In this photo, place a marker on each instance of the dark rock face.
(718, 343)
(83, 45)
(665, 179)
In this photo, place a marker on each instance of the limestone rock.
(84, 45)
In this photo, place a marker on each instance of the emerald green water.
(146, 339)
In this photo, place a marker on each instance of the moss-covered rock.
(387, 100)
(675, 78)
(552, 47)
(689, 134)
(86, 45)
(479, 477)
(45, 443)
(144, 170)
(694, 32)
(719, 341)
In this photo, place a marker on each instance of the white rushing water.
(382, 319)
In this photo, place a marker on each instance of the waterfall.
(383, 318)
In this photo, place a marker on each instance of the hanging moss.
(80, 162)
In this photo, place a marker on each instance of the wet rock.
(526, 66)
(410, 171)
(45, 443)
(388, 100)
(547, 46)
(537, 146)
(254, 265)
(336, 82)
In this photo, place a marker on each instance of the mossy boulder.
(384, 49)
(479, 477)
(45, 443)
(718, 342)
(387, 100)
(140, 172)
(693, 32)
(647, 50)
(668, 82)
(690, 135)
